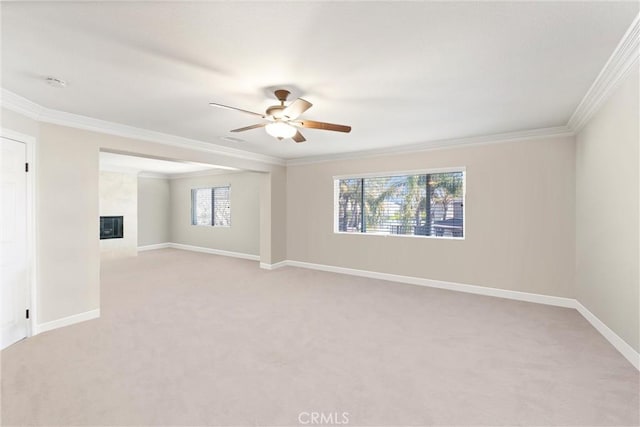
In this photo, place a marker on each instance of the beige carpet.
(195, 339)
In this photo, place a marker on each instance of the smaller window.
(211, 206)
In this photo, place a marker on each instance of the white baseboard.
(266, 266)
(154, 247)
(625, 349)
(472, 289)
(618, 343)
(214, 251)
(66, 321)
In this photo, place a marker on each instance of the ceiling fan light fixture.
(280, 130)
(281, 121)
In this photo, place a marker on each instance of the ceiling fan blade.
(213, 104)
(260, 125)
(324, 126)
(298, 137)
(296, 108)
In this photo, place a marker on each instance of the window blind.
(221, 207)
(211, 206)
(429, 204)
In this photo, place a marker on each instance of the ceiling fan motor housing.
(275, 111)
(282, 94)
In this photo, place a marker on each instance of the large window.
(416, 204)
(211, 206)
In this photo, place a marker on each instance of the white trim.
(17, 103)
(34, 111)
(67, 321)
(180, 246)
(618, 343)
(401, 173)
(214, 251)
(524, 135)
(615, 69)
(14, 102)
(625, 349)
(16, 136)
(209, 187)
(401, 236)
(266, 266)
(452, 286)
(154, 247)
(32, 290)
(336, 196)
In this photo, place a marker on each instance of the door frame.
(30, 146)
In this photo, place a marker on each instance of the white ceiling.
(136, 164)
(399, 73)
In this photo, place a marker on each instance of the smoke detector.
(52, 81)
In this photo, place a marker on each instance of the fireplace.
(111, 227)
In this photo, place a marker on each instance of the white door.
(13, 241)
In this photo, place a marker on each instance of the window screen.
(211, 206)
(429, 204)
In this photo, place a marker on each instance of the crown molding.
(526, 135)
(615, 69)
(34, 111)
(14, 102)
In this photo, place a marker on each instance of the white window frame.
(192, 200)
(336, 197)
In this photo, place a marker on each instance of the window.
(416, 204)
(211, 206)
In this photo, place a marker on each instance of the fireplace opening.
(111, 227)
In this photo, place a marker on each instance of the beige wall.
(607, 209)
(68, 227)
(279, 215)
(265, 218)
(273, 217)
(244, 234)
(154, 205)
(119, 196)
(19, 123)
(519, 218)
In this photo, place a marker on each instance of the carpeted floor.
(195, 339)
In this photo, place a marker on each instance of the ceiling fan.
(282, 121)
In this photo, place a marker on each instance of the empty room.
(299, 213)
